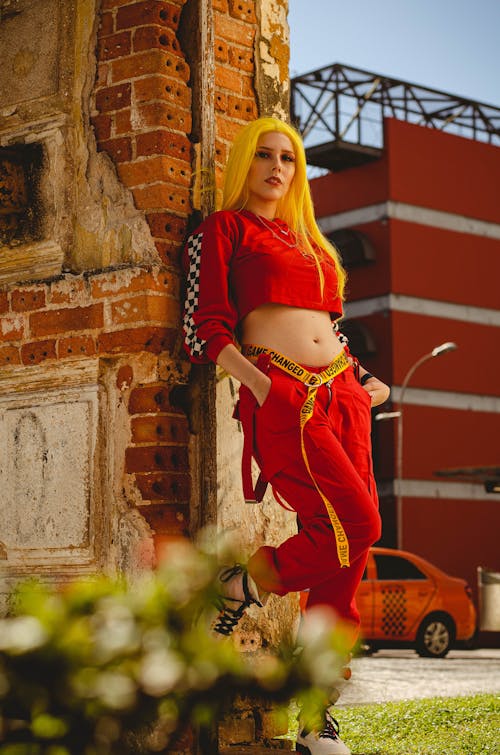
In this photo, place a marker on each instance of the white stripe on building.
(447, 399)
(418, 306)
(462, 491)
(447, 221)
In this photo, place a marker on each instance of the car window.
(397, 567)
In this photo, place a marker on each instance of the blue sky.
(451, 45)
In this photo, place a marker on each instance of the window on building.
(355, 248)
(361, 340)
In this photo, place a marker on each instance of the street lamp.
(436, 351)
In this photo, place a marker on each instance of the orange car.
(404, 599)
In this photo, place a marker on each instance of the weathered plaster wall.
(133, 106)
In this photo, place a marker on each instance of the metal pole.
(437, 351)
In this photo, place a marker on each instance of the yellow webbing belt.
(313, 380)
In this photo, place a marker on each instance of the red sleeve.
(210, 315)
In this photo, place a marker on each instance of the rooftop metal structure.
(340, 112)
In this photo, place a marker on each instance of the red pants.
(338, 449)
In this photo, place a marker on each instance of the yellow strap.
(306, 412)
(313, 380)
(338, 365)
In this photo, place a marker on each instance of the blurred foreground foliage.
(100, 667)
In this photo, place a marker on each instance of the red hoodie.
(235, 263)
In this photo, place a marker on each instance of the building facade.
(421, 228)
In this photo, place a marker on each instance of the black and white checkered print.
(341, 336)
(195, 344)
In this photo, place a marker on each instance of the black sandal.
(229, 617)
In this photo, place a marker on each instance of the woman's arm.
(377, 390)
(233, 362)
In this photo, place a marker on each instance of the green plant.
(104, 668)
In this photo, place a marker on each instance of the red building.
(417, 219)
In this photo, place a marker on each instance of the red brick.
(151, 12)
(124, 377)
(122, 122)
(114, 46)
(145, 308)
(103, 74)
(169, 252)
(147, 37)
(241, 58)
(164, 142)
(28, 299)
(75, 346)
(239, 107)
(221, 51)
(4, 302)
(68, 290)
(151, 399)
(248, 86)
(226, 78)
(153, 114)
(115, 283)
(12, 328)
(162, 88)
(158, 168)
(172, 487)
(38, 351)
(62, 320)
(120, 150)
(133, 340)
(221, 102)
(234, 31)
(114, 98)
(243, 10)
(9, 355)
(226, 128)
(161, 195)
(159, 429)
(166, 226)
(150, 61)
(167, 519)
(102, 126)
(156, 458)
(106, 25)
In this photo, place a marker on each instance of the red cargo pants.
(331, 461)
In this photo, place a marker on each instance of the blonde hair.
(296, 207)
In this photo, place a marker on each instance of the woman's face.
(271, 173)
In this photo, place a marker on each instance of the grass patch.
(436, 726)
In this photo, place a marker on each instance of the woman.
(261, 272)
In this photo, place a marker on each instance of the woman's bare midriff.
(304, 335)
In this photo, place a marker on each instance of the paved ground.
(402, 675)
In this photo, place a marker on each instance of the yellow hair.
(296, 207)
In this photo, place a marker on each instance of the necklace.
(283, 232)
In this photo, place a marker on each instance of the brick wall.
(142, 119)
(142, 115)
(114, 314)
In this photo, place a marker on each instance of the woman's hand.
(377, 390)
(261, 388)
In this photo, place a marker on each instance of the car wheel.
(435, 636)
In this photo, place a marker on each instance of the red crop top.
(234, 264)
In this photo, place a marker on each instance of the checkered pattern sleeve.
(210, 315)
